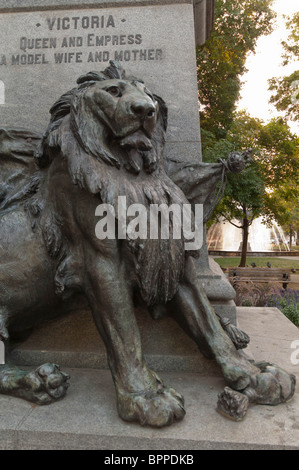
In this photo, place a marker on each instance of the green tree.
(285, 97)
(243, 202)
(280, 155)
(292, 225)
(270, 183)
(279, 158)
(285, 90)
(221, 60)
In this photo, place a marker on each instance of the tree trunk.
(291, 236)
(245, 232)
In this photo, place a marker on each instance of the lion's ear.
(154, 157)
(115, 70)
(91, 77)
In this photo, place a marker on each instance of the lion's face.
(113, 118)
(127, 108)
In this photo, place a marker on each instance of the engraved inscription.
(85, 22)
(80, 39)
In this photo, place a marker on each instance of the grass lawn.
(261, 262)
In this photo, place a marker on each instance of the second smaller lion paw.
(232, 404)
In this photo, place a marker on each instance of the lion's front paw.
(45, 385)
(160, 407)
(272, 386)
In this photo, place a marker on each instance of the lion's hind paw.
(272, 386)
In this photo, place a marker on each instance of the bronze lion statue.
(105, 139)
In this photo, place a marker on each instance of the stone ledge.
(87, 418)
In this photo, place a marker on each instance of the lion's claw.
(238, 337)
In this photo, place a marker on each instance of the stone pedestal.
(74, 341)
(46, 45)
(219, 291)
(216, 285)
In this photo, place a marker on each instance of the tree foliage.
(221, 60)
(280, 154)
(279, 160)
(291, 47)
(285, 95)
(285, 90)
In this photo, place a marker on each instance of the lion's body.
(105, 140)
(83, 173)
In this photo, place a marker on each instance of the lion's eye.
(114, 91)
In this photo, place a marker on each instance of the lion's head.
(115, 119)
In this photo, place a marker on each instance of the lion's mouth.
(137, 146)
(138, 140)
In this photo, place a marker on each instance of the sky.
(265, 64)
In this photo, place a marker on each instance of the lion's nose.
(143, 109)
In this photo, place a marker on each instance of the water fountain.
(224, 236)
